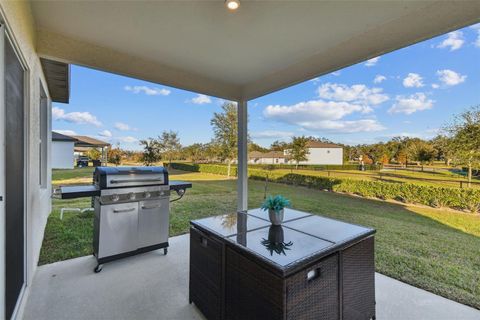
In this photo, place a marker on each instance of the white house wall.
(20, 27)
(324, 156)
(62, 155)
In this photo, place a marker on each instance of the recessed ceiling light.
(232, 4)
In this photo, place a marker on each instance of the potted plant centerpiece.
(275, 206)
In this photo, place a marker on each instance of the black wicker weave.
(316, 298)
(359, 280)
(231, 280)
(206, 274)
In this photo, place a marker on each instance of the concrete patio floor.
(154, 286)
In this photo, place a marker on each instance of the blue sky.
(411, 92)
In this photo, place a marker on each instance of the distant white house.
(272, 157)
(62, 151)
(322, 153)
(319, 153)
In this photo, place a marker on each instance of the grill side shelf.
(74, 192)
(178, 185)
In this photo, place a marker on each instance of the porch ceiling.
(263, 47)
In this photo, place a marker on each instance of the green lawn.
(438, 250)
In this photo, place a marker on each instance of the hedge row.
(316, 167)
(463, 199)
(204, 167)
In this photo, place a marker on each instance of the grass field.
(438, 250)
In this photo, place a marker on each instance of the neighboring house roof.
(81, 149)
(61, 137)
(317, 144)
(84, 141)
(270, 154)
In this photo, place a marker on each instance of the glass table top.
(231, 224)
(327, 229)
(280, 245)
(289, 214)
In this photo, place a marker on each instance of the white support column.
(242, 182)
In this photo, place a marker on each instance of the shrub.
(205, 168)
(315, 167)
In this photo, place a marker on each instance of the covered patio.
(154, 286)
(202, 47)
(237, 55)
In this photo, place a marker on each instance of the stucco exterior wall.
(62, 155)
(325, 156)
(18, 19)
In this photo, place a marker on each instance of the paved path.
(154, 286)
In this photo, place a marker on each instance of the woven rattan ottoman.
(311, 267)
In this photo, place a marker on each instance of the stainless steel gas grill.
(132, 208)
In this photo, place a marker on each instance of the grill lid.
(117, 177)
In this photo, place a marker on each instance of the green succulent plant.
(276, 203)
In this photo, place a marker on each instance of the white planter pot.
(276, 217)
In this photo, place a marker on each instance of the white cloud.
(124, 127)
(201, 99)
(336, 73)
(450, 77)
(348, 126)
(149, 91)
(311, 110)
(75, 117)
(413, 80)
(454, 41)
(433, 130)
(127, 139)
(401, 134)
(105, 134)
(372, 62)
(413, 103)
(322, 115)
(66, 132)
(271, 134)
(379, 78)
(476, 27)
(357, 93)
(435, 85)
(57, 113)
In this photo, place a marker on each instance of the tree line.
(457, 144)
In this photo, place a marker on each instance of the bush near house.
(353, 167)
(461, 199)
(205, 168)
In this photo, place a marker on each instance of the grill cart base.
(102, 261)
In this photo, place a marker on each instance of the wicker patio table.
(311, 267)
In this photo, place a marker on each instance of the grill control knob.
(114, 197)
(131, 196)
(147, 195)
